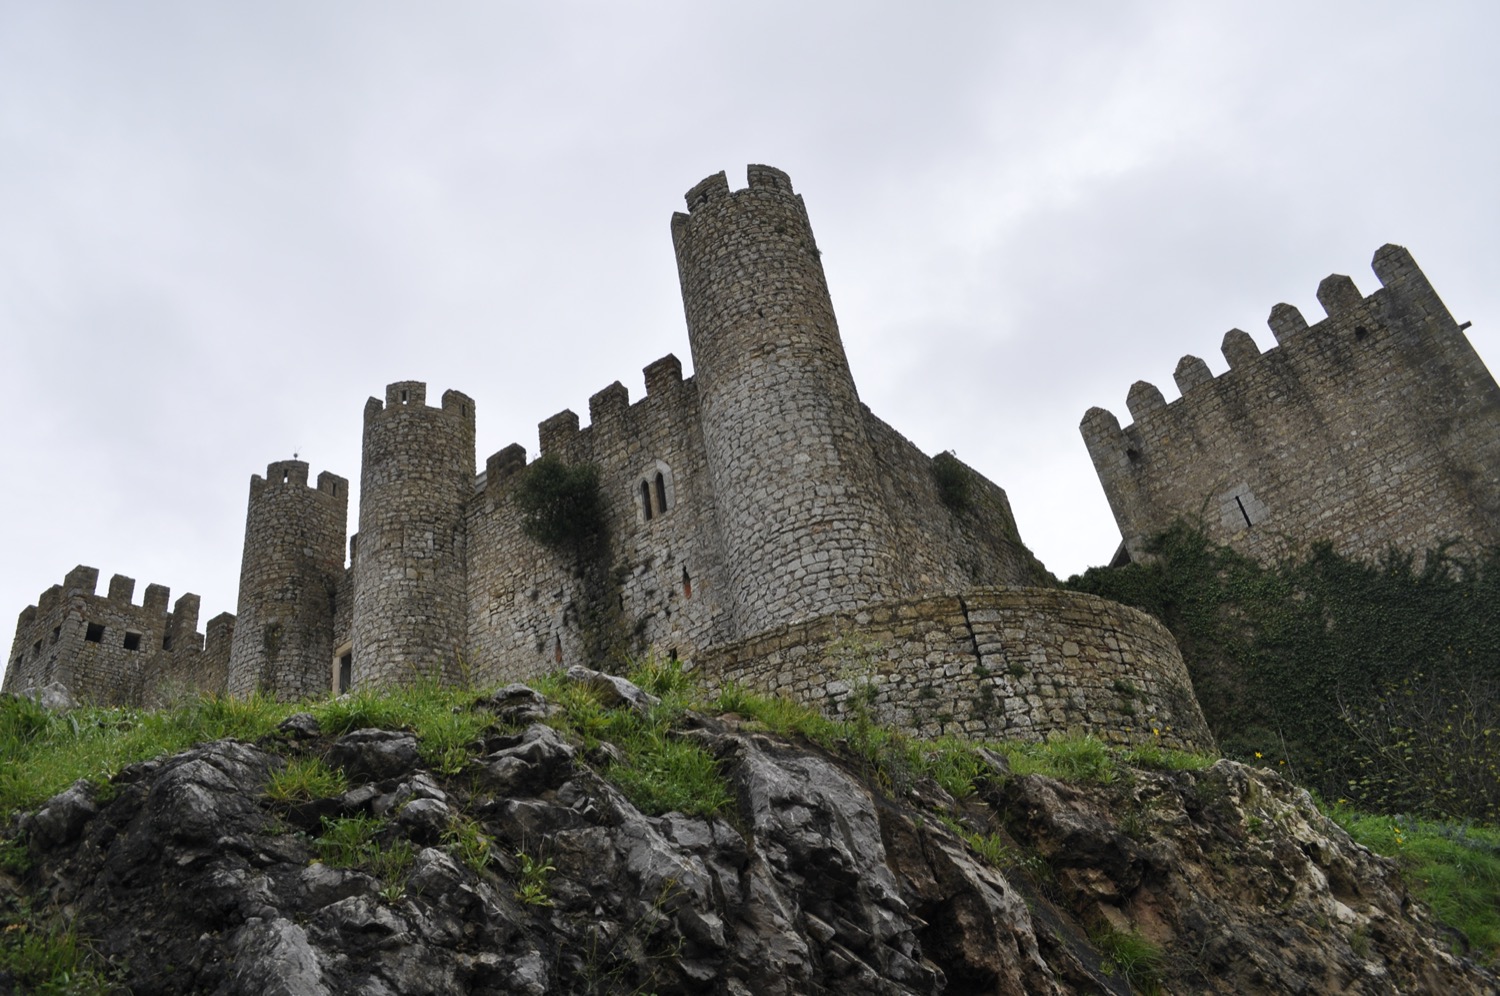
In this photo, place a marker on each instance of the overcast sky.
(224, 226)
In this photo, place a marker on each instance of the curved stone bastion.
(986, 663)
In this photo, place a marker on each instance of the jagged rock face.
(190, 880)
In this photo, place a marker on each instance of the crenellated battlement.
(84, 581)
(406, 396)
(294, 473)
(611, 411)
(1341, 300)
(1247, 449)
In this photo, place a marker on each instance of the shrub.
(561, 506)
(955, 481)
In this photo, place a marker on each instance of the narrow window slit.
(1242, 510)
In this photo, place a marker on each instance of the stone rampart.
(107, 649)
(1378, 426)
(987, 663)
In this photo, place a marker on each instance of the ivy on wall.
(1371, 682)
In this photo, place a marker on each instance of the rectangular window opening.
(95, 633)
(56, 632)
(132, 641)
(346, 672)
(166, 641)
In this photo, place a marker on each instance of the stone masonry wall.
(290, 572)
(1378, 426)
(110, 651)
(801, 515)
(410, 614)
(528, 605)
(942, 548)
(989, 663)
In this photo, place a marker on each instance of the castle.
(758, 522)
(1377, 427)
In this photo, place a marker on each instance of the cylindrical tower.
(293, 559)
(410, 603)
(805, 527)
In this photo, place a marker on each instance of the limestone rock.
(818, 881)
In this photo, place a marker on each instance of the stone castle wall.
(1378, 426)
(529, 606)
(108, 650)
(990, 663)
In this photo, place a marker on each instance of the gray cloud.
(225, 226)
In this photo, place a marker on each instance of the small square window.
(95, 633)
(132, 641)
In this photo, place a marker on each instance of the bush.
(955, 481)
(561, 506)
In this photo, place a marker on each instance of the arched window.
(658, 491)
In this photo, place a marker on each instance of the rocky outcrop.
(529, 872)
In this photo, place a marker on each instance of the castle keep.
(1377, 427)
(758, 522)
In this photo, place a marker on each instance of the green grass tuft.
(1072, 759)
(1453, 867)
(304, 779)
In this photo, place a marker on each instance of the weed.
(15, 855)
(49, 960)
(351, 842)
(304, 779)
(1132, 956)
(467, 841)
(47, 752)
(1071, 758)
(1159, 758)
(531, 889)
(1454, 868)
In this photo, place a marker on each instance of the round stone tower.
(804, 524)
(417, 475)
(289, 574)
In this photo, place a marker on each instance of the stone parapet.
(987, 663)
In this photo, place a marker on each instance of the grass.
(1453, 867)
(48, 960)
(303, 779)
(1082, 758)
(660, 773)
(468, 842)
(1131, 955)
(47, 752)
(353, 842)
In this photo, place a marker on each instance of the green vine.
(1371, 681)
